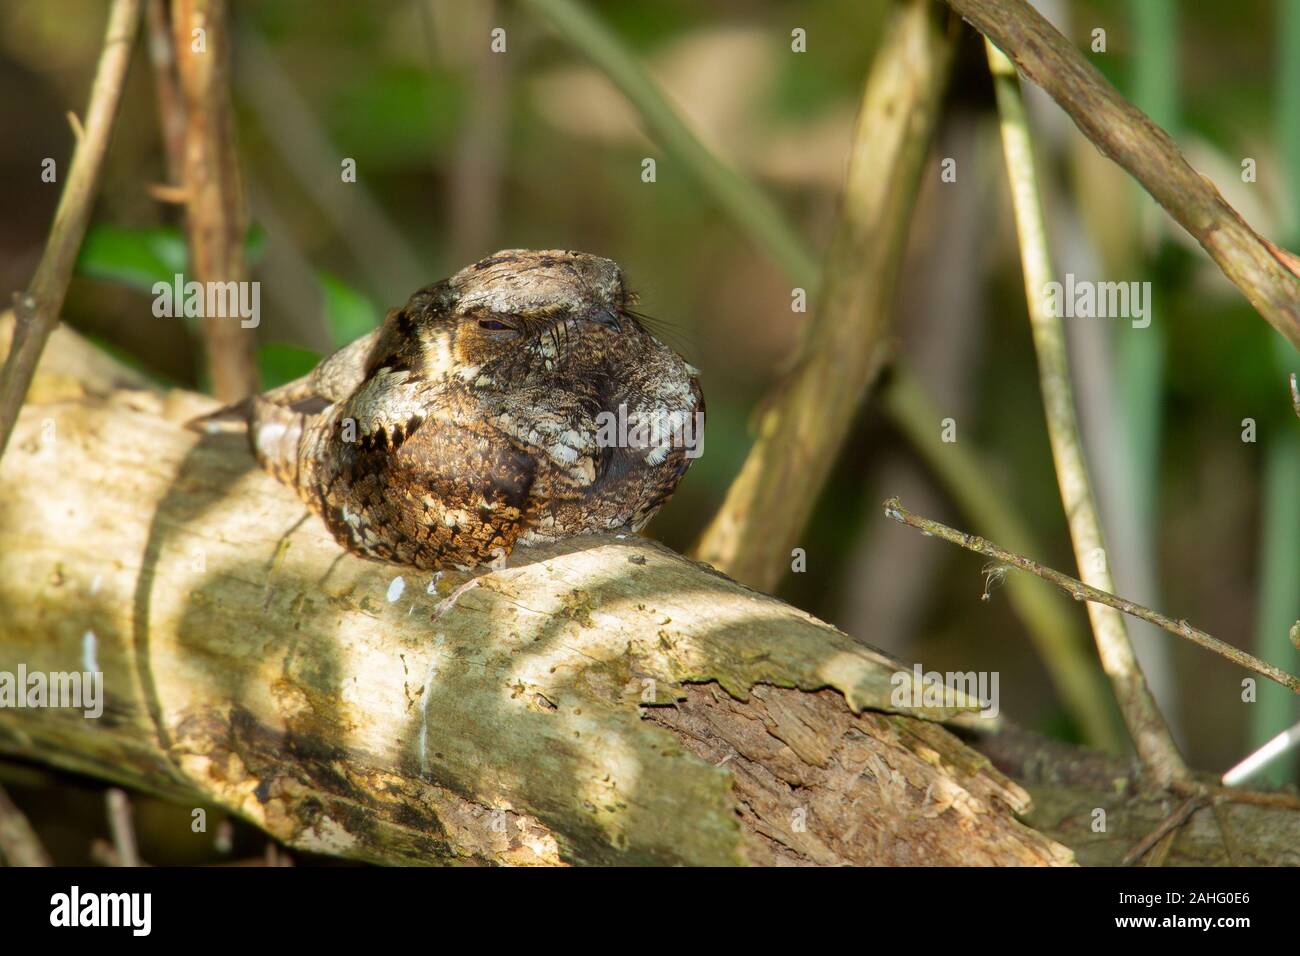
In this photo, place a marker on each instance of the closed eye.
(492, 325)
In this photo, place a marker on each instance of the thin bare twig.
(1066, 653)
(1086, 592)
(1295, 393)
(1268, 276)
(19, 844)
(78, 131)
(1254, 798)
(1166, 828)
(1146, 725)
(37, 309)
(164, 193)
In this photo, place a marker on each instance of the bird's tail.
(274, 432)
(225, 420)
(275, 435)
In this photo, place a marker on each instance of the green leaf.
(134, 257)
(348, 313)
(280, 363)
(139, 257)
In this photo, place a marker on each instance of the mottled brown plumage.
(478, 416)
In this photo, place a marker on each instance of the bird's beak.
(606, 317)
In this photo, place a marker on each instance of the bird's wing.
(557, 425)
(431, 491)
(339, 375)
(390, 403)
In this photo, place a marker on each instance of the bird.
(519, 401)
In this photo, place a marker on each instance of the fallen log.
(600, 701)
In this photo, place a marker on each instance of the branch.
(1086, 592)
(602, 700)
(1277, 746)
(38, 308)
(844, 344)
(1146, 724)
(1268, 276)
(1165, 830)
(1063, 647)
(216, 221)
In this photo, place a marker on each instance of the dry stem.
(216, 221)
(843, 346)
(1146, 724)
(1086, 592)
(38, 308)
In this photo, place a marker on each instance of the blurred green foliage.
(138, 257)
(348, 313)
(135, 257)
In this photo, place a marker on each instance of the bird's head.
(514, 304)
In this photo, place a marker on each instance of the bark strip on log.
(559, 712)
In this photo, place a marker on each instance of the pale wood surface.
(250, 663)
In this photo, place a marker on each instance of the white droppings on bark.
(89, 652)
